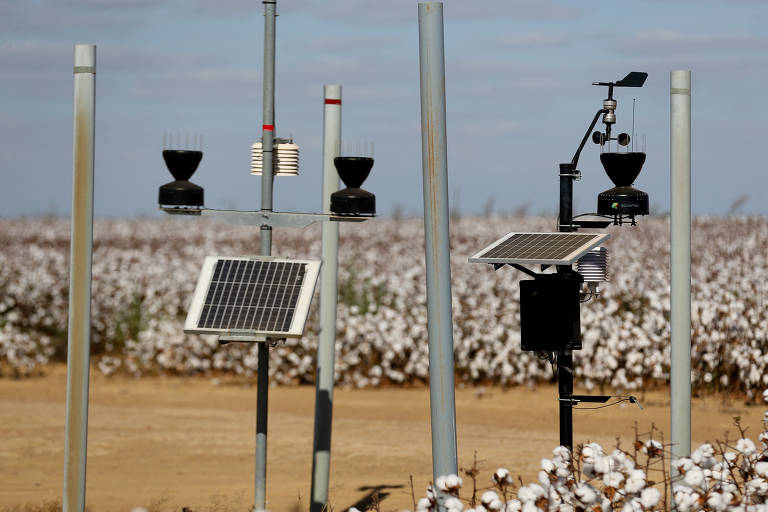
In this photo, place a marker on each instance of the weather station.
(266, 299)
(550, 302)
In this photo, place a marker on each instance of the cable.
(601, 406)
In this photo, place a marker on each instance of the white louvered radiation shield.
(286, 155)
(594, 265)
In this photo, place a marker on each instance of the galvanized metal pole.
(326, 347)
(434, 158)
(81, 253)
(680, 261)
(265, 242)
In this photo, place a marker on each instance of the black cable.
(601, 406)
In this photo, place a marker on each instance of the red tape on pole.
(329, 101)
(269, 127)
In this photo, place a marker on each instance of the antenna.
(633, 123)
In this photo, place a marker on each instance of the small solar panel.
(539, 248)
(252, 296)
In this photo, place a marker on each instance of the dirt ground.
(165, 443)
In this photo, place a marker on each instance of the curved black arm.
(575, 160)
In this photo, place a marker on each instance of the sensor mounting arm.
(575, 160)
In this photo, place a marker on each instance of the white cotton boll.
(694, 477)
(746, 446)
(544, 480)
(761, 468)
(631, 506)
(424, 505)
(757, 486)
(682, 465)
(621, 461)
(585, 493)
(513, 506)
(765, 395)
(635, 481)
(650, 497)
(530, 507)
(353, 509)
(686, 498)
(591, 451)
(502, 477)
(453, 483)
(453, 504)
(530, 493)
(603, 464)
(561, 454)
(491, 501)
(718, 502)
(703, 456)
(613, 479)
(547, 465)
(653, 448)
(138, 509)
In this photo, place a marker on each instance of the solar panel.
(539, 248)
(252, 296)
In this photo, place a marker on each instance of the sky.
(518, 89)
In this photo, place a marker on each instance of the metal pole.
(435, 175)
(81, 253)
(321, 459)
(565, 357)
(265, 242)
(680, 261)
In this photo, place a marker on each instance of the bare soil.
(169, 442)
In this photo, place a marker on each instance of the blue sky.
(518, 88)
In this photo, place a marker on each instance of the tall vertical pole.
(680, 260)
(265, 242)
(434, 157)
(326, 353)
(565, 357)
(81, 253)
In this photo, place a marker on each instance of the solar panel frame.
(207, 289)
(563, 248)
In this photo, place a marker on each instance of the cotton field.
(144, 272)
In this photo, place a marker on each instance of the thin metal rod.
(680, 262)
(268, 110)
(326, 347)
(81, 254)
(268, 118)
(565, 389)
(434, 157)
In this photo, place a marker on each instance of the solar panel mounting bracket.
(234, 338)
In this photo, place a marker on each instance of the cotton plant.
(728, 476)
